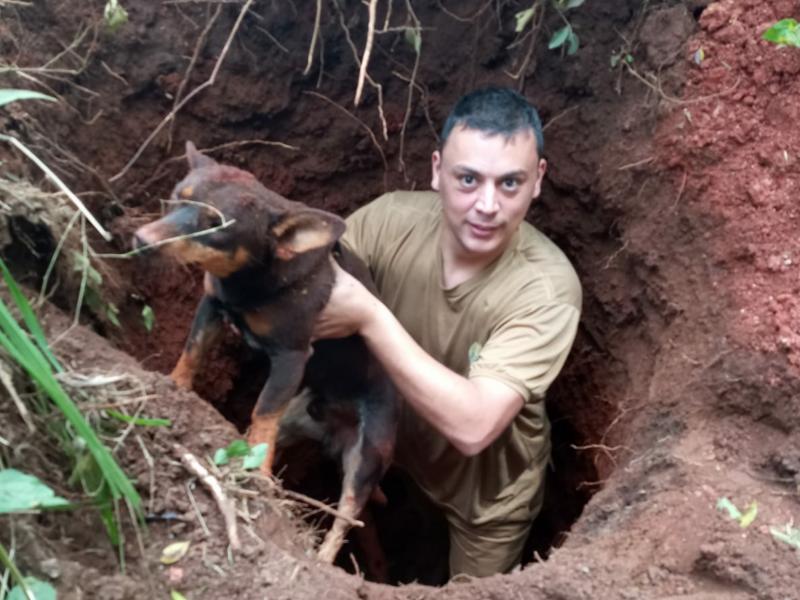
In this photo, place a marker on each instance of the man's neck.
(458, 265)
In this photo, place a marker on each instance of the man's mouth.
(481, 230)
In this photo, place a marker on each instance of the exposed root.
(362, 73)
(211, 80)
(314, 36)
(226, 507)
(201, 40)
(378, 87)
(407, 115)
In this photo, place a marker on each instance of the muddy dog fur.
(268, 272)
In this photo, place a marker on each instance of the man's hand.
(348, 309)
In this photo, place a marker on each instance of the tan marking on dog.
(258, 322)
(187, 192)
(183, 373)
(264, 430)
(217, 262)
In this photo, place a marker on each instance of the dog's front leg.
(286, 373)
(206, 328)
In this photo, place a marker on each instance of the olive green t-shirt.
(514, 322)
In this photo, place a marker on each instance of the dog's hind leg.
(363, 469)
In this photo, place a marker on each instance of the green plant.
(252, 458)
(785, 32)
(20, 491)
(102, 476)
(115, 15)
(566, 36)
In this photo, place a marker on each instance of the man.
(477, 314)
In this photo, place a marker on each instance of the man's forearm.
(460, 408)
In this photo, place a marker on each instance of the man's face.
(486, 182)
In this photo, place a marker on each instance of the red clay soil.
(672, 187)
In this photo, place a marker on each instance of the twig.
(305, 499)
(211, 80)
(418, 53)
(362, 73)
(5, 379)
(680, 190)
(225, 223)
(201, 40)
(469, 19)
(226, 507)
(360, 122)
(378, 87)
(55, 179)
(638, 163)
(196, 508)
(563, 113)
(314, 36)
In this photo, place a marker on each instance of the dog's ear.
(304, 230)
(196, 158)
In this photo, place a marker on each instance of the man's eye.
(510, 184)
(467, 180)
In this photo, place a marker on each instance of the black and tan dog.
(268, 271)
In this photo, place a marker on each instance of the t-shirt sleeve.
(365, 228)
(528, 350)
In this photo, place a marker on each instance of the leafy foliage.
(784, 33)
(20, 491)
(107, 481)
(252, 458)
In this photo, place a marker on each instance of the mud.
(671, 187)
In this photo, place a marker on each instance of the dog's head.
(223, 219)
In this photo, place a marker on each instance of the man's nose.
(487, 199)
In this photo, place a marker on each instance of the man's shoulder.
(544, 270)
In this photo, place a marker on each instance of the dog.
(268, 271)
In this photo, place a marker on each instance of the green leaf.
(143, 421)
(20, 491)
(749, 516)
(788, 535)
(522, 18)
(174, 552)
(559, 37)
(7, 96)
(30, 320)
(785, 33)
(41, 590)
(414, 38)
(112, 312)
(221, 457)
(238, 448)
(176, 595)
(115, 15)
(256, 457)
(574, 3)
(572, 43)
(725, 505)
(148, 317)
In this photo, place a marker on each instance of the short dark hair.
(495, 110)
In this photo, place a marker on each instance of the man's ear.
(436, 167)
(541, 169)
(304, 230)
(196, 158)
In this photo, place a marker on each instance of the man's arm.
(470, 413)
